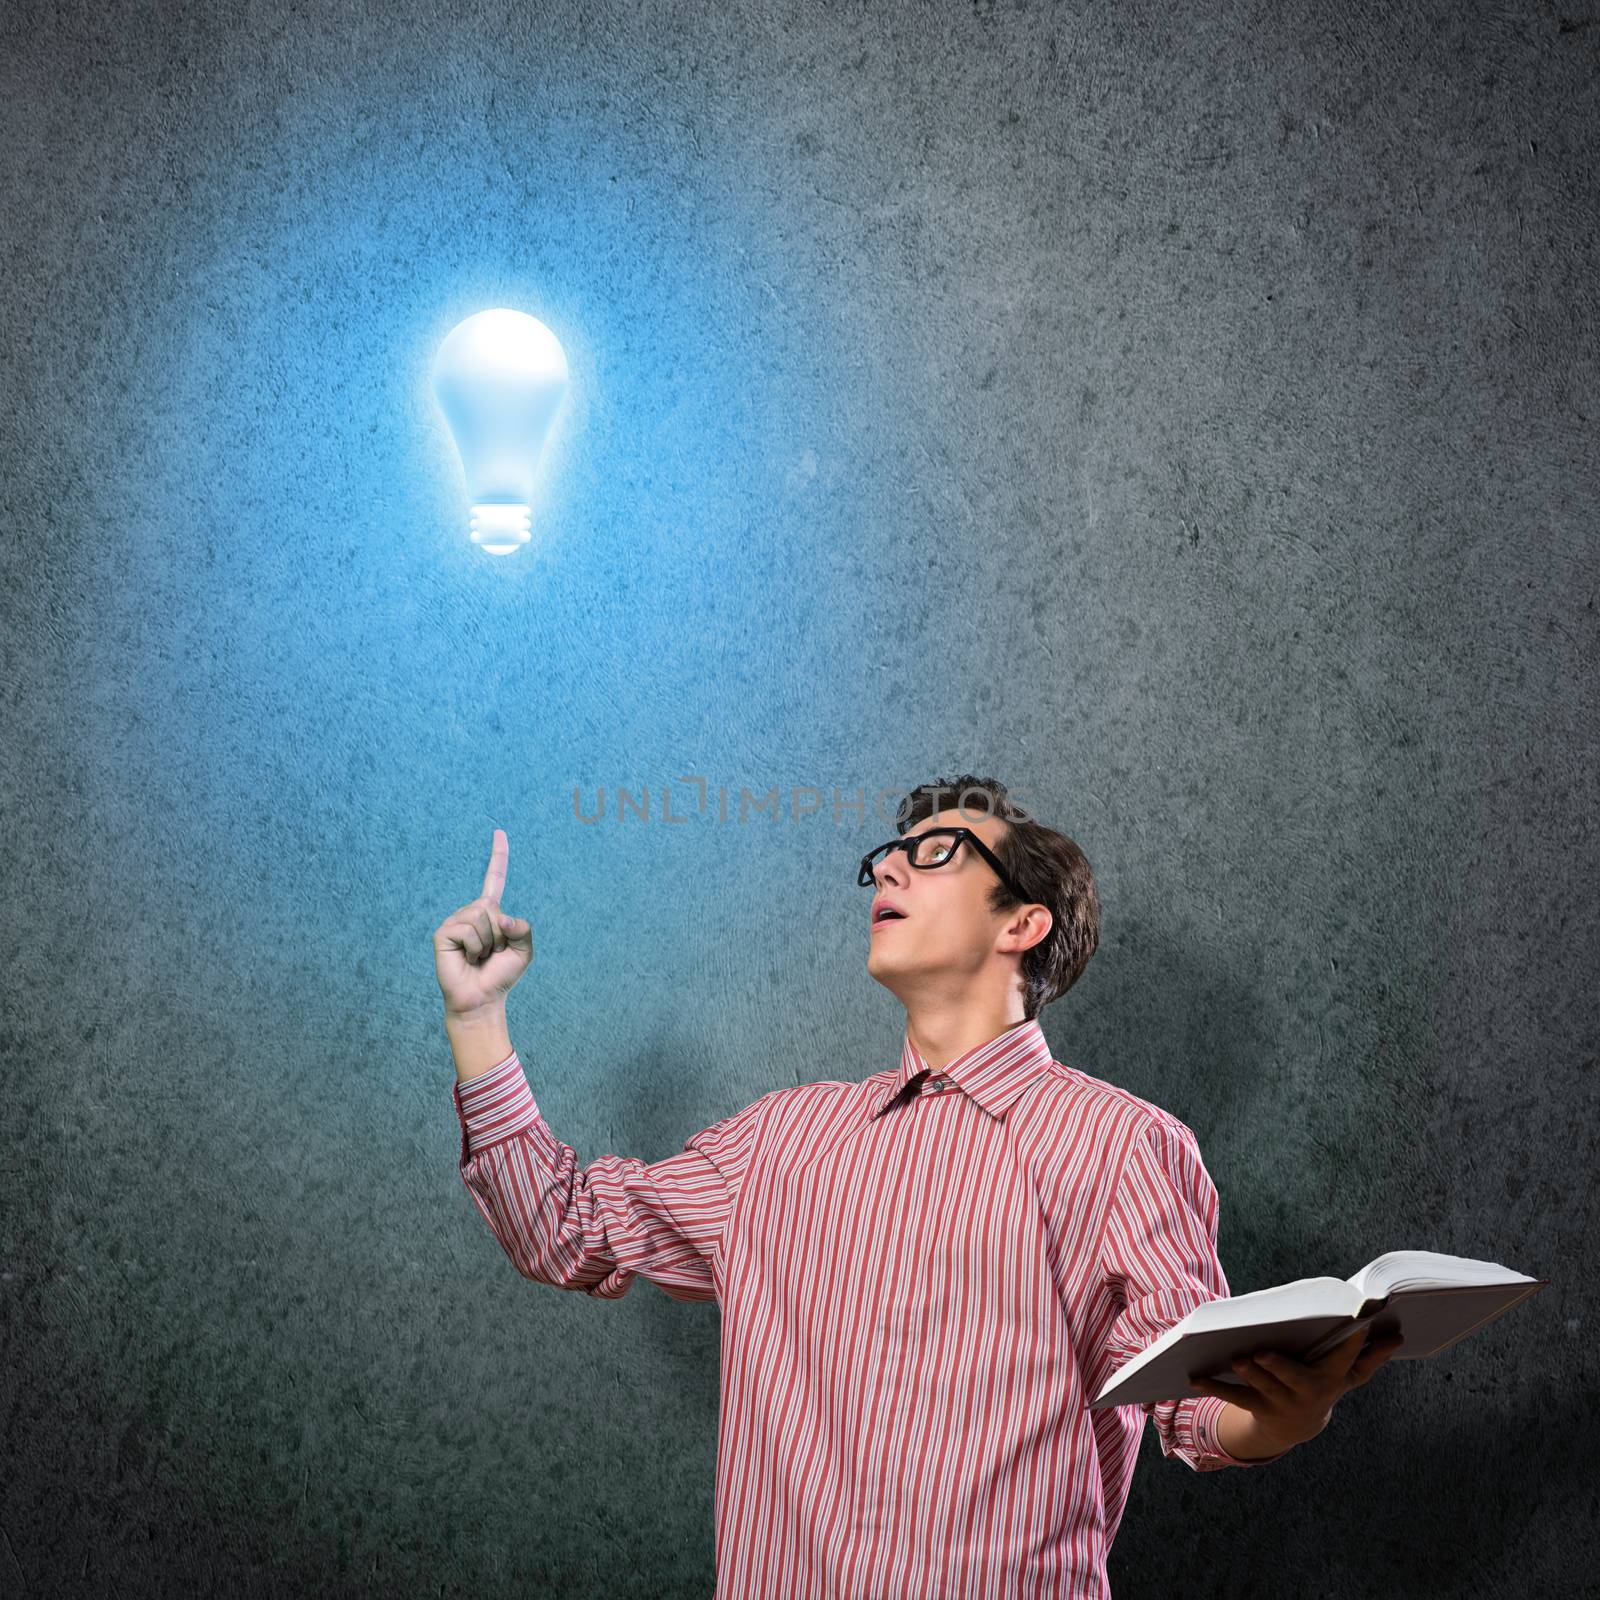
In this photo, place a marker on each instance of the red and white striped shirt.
(923, 1279)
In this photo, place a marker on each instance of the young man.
(924, 1276)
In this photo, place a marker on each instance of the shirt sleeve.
(1159, 1256)
(595, 1228)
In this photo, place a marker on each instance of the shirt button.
(936, 1084)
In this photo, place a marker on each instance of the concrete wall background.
(1185, 414)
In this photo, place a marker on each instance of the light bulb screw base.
(501, 528)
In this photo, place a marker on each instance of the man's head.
(964, 931)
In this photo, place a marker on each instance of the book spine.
(1369, 1310)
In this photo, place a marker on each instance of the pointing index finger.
(494, 880)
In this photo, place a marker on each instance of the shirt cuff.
(495, 1105)
(1202, 1420)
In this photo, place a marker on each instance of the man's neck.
(941, 1034)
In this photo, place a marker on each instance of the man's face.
(948, 933)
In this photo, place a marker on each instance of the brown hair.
(1047, 864)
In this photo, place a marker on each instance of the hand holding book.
(1290, 1400)
(1429, 1301)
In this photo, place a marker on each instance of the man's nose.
(894, 868)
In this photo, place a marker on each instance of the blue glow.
(500, 377)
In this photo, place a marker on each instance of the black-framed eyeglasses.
(936, 847)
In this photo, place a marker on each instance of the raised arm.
(591, 1228)
(594, 1228)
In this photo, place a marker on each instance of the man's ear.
(1044, 918)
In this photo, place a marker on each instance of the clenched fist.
(479, 952)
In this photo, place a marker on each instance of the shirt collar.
(993, 1073)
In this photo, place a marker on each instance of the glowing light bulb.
(499, 377)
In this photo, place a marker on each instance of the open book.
(1432, 1300)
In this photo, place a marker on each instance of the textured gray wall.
(1187, 414)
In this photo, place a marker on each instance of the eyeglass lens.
(932, 850)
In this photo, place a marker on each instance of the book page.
(1400, 1270)
(1304, 1297)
